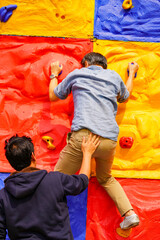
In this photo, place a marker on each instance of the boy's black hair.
(18, 151)
(94, 58)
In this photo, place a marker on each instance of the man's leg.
(104, 156)
(104, 159)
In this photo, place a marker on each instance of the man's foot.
(130, 221)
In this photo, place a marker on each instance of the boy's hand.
(56, 68)
(133, 67)
(89, 146)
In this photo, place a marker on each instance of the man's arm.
(126, 89)
(133, 68)
(56, 68)
(88, 148)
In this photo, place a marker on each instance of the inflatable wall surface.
(103, 218)
(50, 18)
(26, 109)
(138, 23)
(139, 118)
(24, 81)
(39, 32)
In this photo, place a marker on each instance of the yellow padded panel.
(64, 18)
(139, 118)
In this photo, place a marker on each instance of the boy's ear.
(86, 64)
(33, 158)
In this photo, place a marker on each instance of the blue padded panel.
(140, 23)
(78, 212)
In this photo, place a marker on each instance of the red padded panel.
(103, 217)
(24, 103)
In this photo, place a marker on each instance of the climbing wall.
(39, 32)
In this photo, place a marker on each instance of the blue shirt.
(95, 95)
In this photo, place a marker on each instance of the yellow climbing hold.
(49, 141)
(124, 233)
(127, 4)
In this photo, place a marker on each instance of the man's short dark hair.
(18, 151)
(94, 58)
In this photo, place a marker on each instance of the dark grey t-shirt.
(95, 94)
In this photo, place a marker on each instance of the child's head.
(18, 151)
(93, 58)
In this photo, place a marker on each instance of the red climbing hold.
(126, 142)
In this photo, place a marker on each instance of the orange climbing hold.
(124, 233)
(127, 4)
(49, 141)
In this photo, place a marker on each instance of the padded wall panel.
(139, 118)
(103, 217)
(78, 213)
(24, 103)
(65, 18)
(140, 23)
(25, 107)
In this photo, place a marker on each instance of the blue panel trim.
(78, 211)
(3, 176)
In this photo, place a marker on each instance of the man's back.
(95, 91)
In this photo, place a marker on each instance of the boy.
(33, 202)
(96, 91)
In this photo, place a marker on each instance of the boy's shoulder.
(54, 177)
(56, 174)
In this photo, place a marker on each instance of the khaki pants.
(71, 158)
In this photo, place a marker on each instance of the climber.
(96, 91)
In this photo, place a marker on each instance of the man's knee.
(106, 180)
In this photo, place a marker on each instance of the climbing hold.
(126, 142)
(128, 71)
(127, 4)
(123, 233)
(6, 12)
(49, 141)
(61, 70)
(3, 12)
